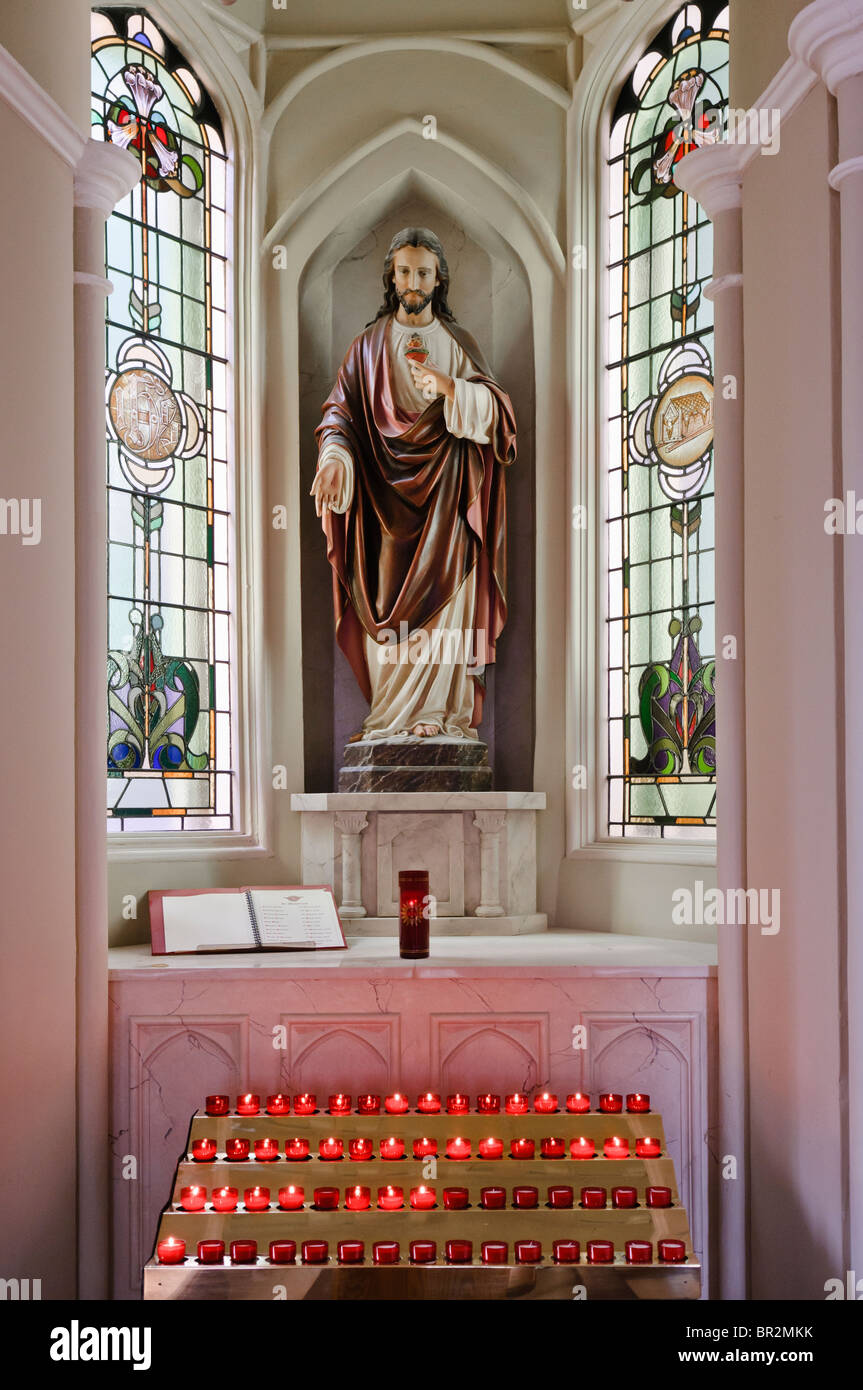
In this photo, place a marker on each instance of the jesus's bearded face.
(415, 275)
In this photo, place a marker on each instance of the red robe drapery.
(427, 507)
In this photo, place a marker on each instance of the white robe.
(419, 681)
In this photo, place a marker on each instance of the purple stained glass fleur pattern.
(169, 744)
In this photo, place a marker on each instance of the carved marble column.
(351, 825)
(489, 824)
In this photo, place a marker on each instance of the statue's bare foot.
(424, 730)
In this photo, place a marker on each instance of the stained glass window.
(660, 629)
(168, 427)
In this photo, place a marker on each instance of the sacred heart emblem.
(416, 350)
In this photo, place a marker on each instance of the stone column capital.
(104, 174)
(828, 37)
(713, 176)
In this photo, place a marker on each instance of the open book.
(244, 919)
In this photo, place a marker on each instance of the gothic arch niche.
(339, 291)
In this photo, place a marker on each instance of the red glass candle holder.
(600, 1252)
(225, 1198)
(171, 1251)
(305, 1104)
(326, 1199)
(360, 1150)
(493, 1198)
(566, 1252)
(522, 1148)
(582, 1148)
(358, 1198)
(244, 1252)
(594, 1198)
(459, 1252)
(458, 1104)
(423, 1252)
(488, 1105)
(624, 1198)
(516, 1104)
(248, 1104)
(616, 1147)
(351, 1252)
(639, 1252)
(368, 1105)
(283, 1252)
(339, 1105)
(456, 1198)
(414, 898)
(397, 1104)
(316, 1252)
(525, 1197)
(560, 1198)
(491, 1148)
(429, 1104)
(237, 1150)
(552, 1148)
(425, 1148)
(330, 1149)
(528, 1252)
(386, 1252)
(296, 1149)
(672, 1252)
(495, 1252)
(392, 1148)
(577, 1103)
(218, 1105)
(423, 1198)
(266, 1150)
(610, 1103)
(546, 1104)
(203, 1150)
(291, 1198)
(647, 1147)
(211, 1252)
(256, 1198)
(278, 1105)
(658, 1197)
(193, 1198)
(458, 1148)
(390, 1198)
(637, 1103)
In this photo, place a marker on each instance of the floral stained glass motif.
(169, 744)
(660, 629)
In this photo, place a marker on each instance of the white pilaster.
(489, 824)
(351, 825)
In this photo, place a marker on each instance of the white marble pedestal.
(479, 849)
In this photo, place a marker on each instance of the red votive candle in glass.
(582, 1148)
(211, 1252)
(488, 1105)
(256, 1198)
(429, 1104)
(266, 1150)
(330, 1149)
(458, 1148)
(237, 1150)
(305, 1104)
(637, 1103)
(560, 1197)
(291, 1198)
(368, 1105)
(624, 1198)
(339, 1105)
(494, 1252)
(593, 1198)
(392, 1148)
(283, 1252)
(639, 1252)
(248, 1104)
(600, 1252)
(566, 1252)
(546, 1104)
(646, 1147)
(360, 1150)
(358, 1198)
(193, 1198)
(455, 1198)
(225, 1198)
(171, 1251)
(244, 1252)
(616, 1147)
(396, 1104)
(672, 1252)
(414, 899)
(459, 1252)
(218, 1105)
(493, 1198)
(457, 1104)
(425, 1148)
(658, 1197)
(203, 1150)
(315, 1252)
(351, 1252)
(553, 1148)
(491, 1148)
(278, 1105)
(528, 1252)
(390, 1198)
(326, 1199)
(385, 1252)
(577, 1103)
(522, 1148)
(423, 1252)
(296, 1149)
(423, 1198)
(525, 1197)
(610, 1103)
(516, 1104)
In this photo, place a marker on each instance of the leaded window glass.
(168, 427)
(660, 629)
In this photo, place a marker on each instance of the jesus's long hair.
(416, 236)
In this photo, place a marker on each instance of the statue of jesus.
(410, 490)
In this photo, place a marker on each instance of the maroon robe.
(427, 507)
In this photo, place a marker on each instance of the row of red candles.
(391, 1198)
(429, 1104)
(362, 1150)
(172, 1251)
